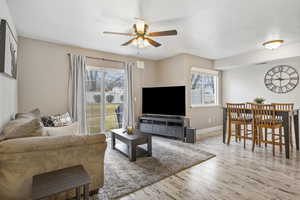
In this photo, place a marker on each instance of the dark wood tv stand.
(164, 125)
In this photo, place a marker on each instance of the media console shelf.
(165, 126)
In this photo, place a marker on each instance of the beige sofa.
(22, 158)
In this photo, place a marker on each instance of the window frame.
(197, 70)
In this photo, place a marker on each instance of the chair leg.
(229, 133)
(236, 133)
(259, 136)
(254, 137)
(266, 137)
(273, 141)
(291, 132)
(240, 132)
(280, 139)
(291, 141)
(245, 135)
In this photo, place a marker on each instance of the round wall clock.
(281, 79)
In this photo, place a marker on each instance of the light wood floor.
(234, 173)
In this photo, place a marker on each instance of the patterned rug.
(169, 156)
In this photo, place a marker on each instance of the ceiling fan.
(141, 37)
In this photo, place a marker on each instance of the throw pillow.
(22, 127)
(47, 121)
(61, 120)
(36, 113)
(72, 129)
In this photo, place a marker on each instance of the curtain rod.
(104, 59)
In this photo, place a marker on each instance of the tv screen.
(164, 100)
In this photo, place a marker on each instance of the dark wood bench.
(52, 183)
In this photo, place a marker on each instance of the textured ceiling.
(207, 28)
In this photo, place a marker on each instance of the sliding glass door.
(105, 98)
(114, 98)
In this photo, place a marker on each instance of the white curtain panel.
(77, 91)
(128, 116)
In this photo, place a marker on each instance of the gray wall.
(8, 86)
(43, 74)
(177, 71)
(246, 83)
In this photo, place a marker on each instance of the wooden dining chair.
(264, 118)
(287, 107)
(238, 116)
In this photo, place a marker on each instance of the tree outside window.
(204, 89)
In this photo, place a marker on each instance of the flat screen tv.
(164, 100)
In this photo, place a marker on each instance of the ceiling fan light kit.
(140, 42)
(273, 44)
(140, 26)
(141, 36)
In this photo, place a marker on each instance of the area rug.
(169, 156)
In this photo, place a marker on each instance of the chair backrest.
(264, 114)
(238, 112)
(283, 106)
(249, 105)
(289, 107)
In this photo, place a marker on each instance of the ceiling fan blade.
(128, 42)
(116, 33)
(152, 42)
(162, 33)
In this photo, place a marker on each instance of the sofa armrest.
(30, 144)
(22, 158)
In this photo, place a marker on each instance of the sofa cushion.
(72, 129)
(21, 127)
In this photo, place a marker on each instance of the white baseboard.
(208, 130)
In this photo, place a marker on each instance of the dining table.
(285, 115)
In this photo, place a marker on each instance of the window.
(204, 87)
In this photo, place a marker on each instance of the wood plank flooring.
(234, 173)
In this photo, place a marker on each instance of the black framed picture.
(8, 50)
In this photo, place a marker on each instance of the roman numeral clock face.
(281, 79)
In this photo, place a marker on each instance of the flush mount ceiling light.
(273, 44)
